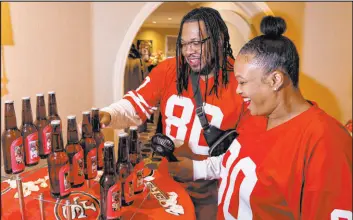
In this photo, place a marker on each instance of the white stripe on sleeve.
(123, 115)
(208, 169)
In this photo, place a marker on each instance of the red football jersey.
(178, 112)
(301, 169)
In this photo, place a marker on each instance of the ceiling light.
(169, 19)
(154, 22)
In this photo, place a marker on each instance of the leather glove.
(182, 170)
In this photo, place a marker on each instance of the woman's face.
(254, 86)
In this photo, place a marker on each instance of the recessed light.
(169, 19)
(154, 22)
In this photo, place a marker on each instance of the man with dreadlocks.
(202, 48)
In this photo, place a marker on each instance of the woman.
(298, 163)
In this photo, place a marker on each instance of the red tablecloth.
(87, 200)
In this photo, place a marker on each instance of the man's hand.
(105, 119)
(182, 169)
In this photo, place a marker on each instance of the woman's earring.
(275, 89)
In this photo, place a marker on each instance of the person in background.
(299, 165)
(135, 73)
(203, 49)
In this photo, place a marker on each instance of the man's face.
(192, 45)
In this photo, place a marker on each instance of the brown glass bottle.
(89, 147)
(29, 133)
(110, 186)
(43, 126)
(98, 137)
(52, 107)
(58, 164)
(125, 170)
(12, 142)
(75, 153)
(135, 159)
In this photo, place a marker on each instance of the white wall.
(110, 22)
(327, 57)
(236, 38)
(52, 51)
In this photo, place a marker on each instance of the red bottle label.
(77, 168)
(129, 188)
(138, 171)
(100, 155)
(46, 139)
(64, 180)
(31, 145)
(92, 163)
(17, 155)
(114, 201)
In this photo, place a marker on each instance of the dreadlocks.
(218, 46)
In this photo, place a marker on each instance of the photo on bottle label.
(131, 189)
(33, 146)
(113, 202)
(19, 154)
(94, 164)
(48, 140)
(80, 167)
(139, 175)
(116, 198)
(66, 181)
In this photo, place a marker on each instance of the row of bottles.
(84, 157)
(79, 160)
(120, 182)
(26, 146)
(70, 167)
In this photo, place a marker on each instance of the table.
(86, 200)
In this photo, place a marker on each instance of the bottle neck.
(57, 140)
(40, 109)
(95, 121)
(87, 131)
(109, 161)
(133, 141)
(10, 116)
(27, 117)
(86, 126)
(123, 150)
(133, 146)
(72, 135)
(53, 110)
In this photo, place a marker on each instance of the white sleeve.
(123, 115)
(208, 169)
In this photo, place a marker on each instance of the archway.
(245, 10)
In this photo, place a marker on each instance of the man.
(202, 48)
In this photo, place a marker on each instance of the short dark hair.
(217, 31)
(273, 51)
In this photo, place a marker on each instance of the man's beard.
(207, 69)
